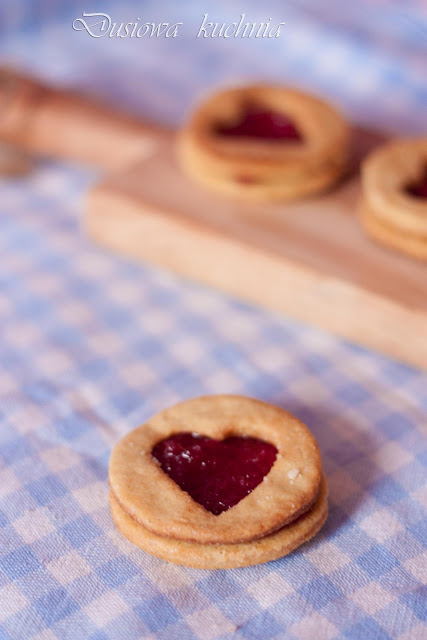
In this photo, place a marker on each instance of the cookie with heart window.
(394, 203)
(218, 471)
(265, 142)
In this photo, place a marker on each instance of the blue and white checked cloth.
(92, 345)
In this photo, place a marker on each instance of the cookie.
(225, 556)
(394, 205)
(155, 501)
(265, 142)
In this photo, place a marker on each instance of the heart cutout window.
(215, 473)
(418, 189)
(257, 122)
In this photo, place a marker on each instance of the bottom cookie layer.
(225, 556)
(392, 236)
(281, 189)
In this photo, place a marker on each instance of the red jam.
(418, 189)
(216, 473)
(261, 123)
(246, 179)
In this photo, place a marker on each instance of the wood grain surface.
(309, 259)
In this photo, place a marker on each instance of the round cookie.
(391, 210)
(266, 142)
(225, 556)
(158, 504)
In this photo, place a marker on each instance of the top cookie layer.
(324, 133)
(157, 503)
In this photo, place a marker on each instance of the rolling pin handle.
(66, 125)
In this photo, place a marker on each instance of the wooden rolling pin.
(69, 126)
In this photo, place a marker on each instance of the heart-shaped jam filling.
(215, 473)
(418, 189)
(261, 123)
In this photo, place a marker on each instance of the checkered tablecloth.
(91, 346)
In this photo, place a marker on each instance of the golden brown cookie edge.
(225, 556)
(392, 237)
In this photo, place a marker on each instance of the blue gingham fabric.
(92, 345)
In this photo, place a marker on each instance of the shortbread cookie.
(225, 556)
(394, 205)
(265, 142)
(157, 503)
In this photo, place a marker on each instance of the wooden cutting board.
(309, 259)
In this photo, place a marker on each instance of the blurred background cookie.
(394, 201)
(265, 142)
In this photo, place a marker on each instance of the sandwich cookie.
(265, 142)
(393, 208)
(218, 481)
